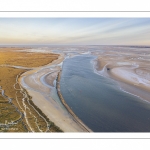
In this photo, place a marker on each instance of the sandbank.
(132, 76)
(37, 85)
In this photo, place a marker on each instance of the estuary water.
(99, 102)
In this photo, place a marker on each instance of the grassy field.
(21, 114)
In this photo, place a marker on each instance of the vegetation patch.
(21, 114)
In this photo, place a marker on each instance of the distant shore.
(127, 77)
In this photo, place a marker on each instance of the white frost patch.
(60, 64)
(129, 75)
(123, 63)
(86, 52)
(36, 50)
(102, 72)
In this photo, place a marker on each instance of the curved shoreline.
(60, 116)
(127, 78)
(67, 107)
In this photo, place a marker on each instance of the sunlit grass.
(8, 76)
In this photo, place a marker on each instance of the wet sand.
(39, 83)
(129, 68)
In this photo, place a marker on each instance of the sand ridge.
(32, 81)
(129, 67)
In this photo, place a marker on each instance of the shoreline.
(64, 120)
(131, 88)
(67, 107)
(127, 79)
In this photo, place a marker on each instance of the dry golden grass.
(26, 59)
(7, 81)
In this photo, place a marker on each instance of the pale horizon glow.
(75, 31)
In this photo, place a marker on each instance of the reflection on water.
(98, 101)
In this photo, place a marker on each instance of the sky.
(75, 31)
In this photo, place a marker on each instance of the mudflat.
(129, 66)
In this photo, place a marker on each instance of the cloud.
(74, 31)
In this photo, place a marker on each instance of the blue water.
(98, 101)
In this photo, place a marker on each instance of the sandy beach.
(39, 83)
